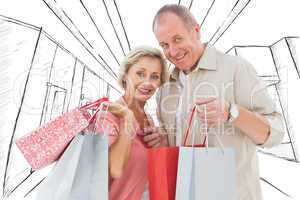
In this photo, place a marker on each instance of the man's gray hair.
(182, 12)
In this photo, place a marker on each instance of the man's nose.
(173, 51)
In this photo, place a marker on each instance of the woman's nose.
(147, 80)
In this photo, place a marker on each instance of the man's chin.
(183, 67)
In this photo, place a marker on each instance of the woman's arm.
(119, 151)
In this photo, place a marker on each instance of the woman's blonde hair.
(135, 55)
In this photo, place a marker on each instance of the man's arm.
(257, 117)
(254, 125)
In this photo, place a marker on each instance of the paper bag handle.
(189, 128)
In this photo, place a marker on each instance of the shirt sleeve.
(251, 93)
(108, 124)
(158, 109)
(158, 99)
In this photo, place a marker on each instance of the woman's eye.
(155, 77)
(140, 74)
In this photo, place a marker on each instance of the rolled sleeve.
(276, 133)
(253, 95)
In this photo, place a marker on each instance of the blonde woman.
(131, 129)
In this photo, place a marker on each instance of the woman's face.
(143, 78)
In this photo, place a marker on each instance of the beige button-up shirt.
(234, 80)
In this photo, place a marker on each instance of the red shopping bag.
(162, 172)
(162, 168)
(44, 145)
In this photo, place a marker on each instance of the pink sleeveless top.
(131, 185)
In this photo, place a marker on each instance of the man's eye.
(164, 46)
(177, 40)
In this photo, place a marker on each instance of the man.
(230, 96)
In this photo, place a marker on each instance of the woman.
(130, 129)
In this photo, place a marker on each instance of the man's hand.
(216, 111)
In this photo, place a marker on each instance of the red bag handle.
(95, 103)
(189, 127)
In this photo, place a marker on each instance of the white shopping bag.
(81, 173)
(206, 173)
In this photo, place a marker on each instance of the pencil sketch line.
(19, 112)
(113, 26)
(123, 27)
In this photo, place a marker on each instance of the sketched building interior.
(41, 79)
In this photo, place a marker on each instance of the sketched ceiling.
(50, 79)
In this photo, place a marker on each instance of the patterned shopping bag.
(44, 145)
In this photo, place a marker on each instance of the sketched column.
(18, 115)
(285, 62)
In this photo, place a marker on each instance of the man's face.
(180, 45)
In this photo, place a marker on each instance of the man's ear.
(197, 29)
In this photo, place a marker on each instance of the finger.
(150, 129)
(202, 101)
(208, 107)
(156, 145)
(208, 113)
(211, 121)
(208, 116)
(212, 115)
(116, 106)
(150, 137)
(115, 109)
(212, 107)
(154, 142)
(211, 125)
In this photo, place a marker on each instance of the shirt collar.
(207, 61)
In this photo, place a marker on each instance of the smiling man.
(238, 106)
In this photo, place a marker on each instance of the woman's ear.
(124, 78)
(125, 81)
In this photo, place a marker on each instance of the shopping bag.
(206, 173)
(44, 145)
(81, 173)
(162, 172)
(162, 169)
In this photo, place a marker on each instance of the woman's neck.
(133, 104)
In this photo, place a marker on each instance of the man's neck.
(202, 49)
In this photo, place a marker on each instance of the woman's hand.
(118, 110)
(125, 115)
(155, 137)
